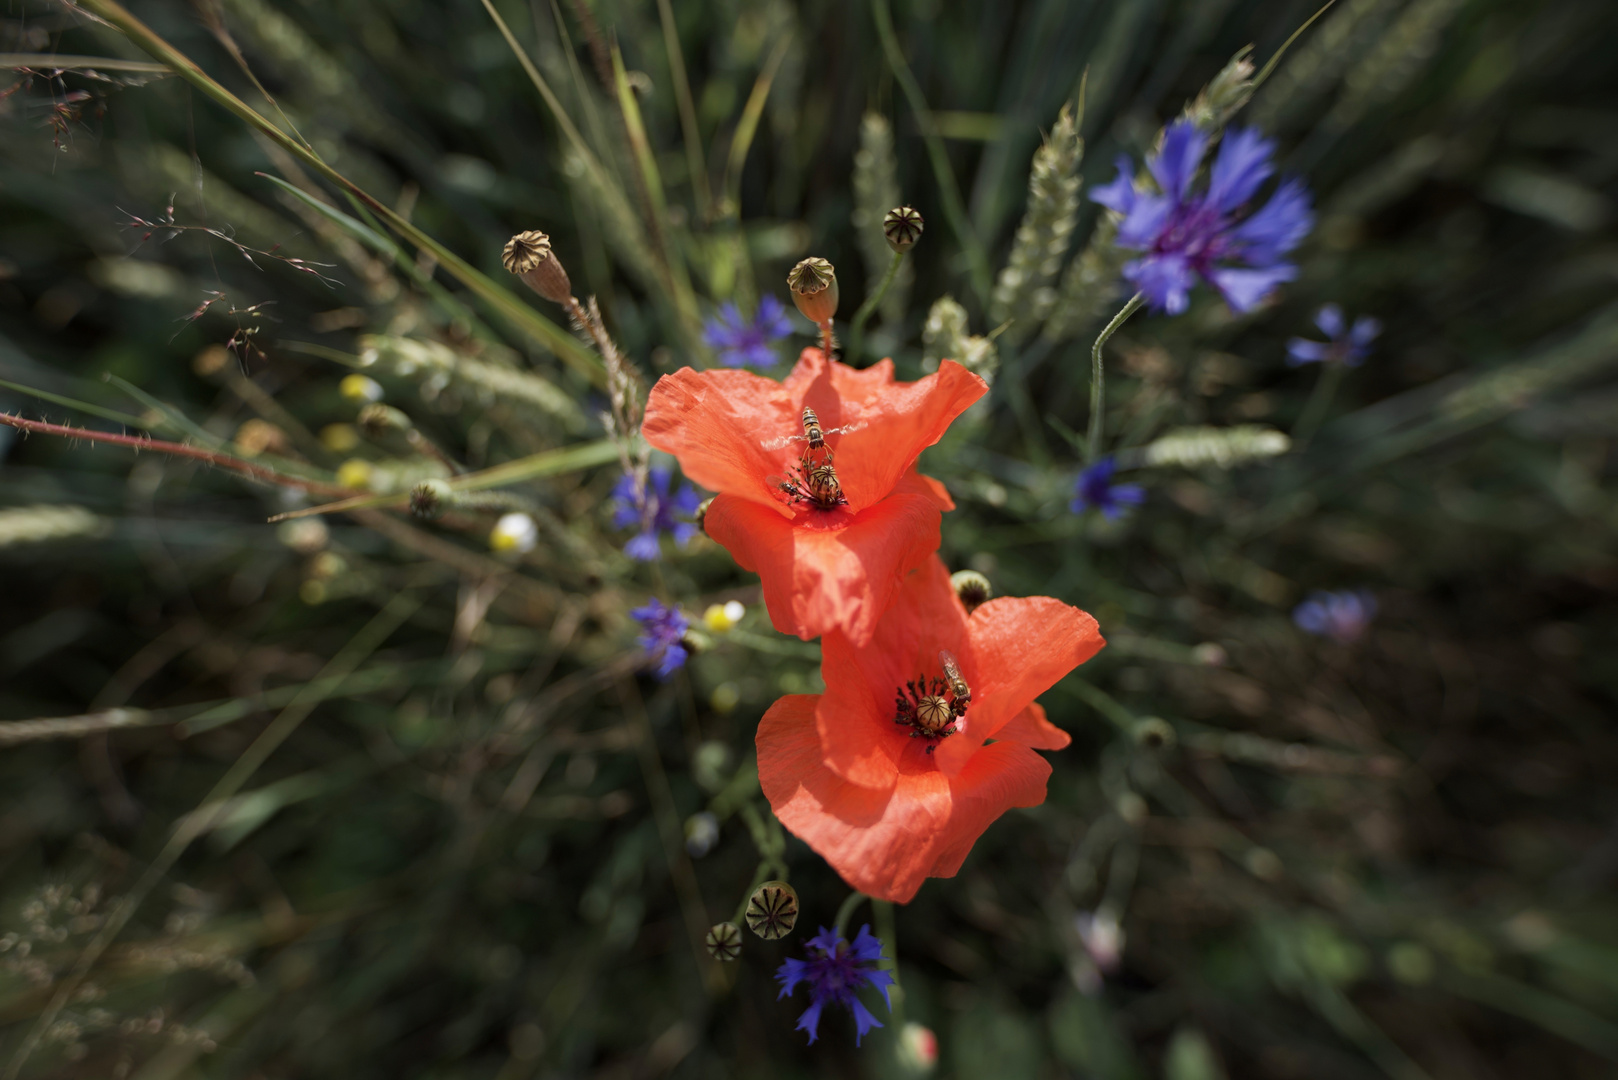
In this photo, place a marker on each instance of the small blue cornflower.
(664, 636)
(834, 970)
(1342, 616)
(653, 509)
(1183, 236)
(1095, 488)
(1347, 345)
(741, 343)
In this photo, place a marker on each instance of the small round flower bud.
(260, 437)
(359, 387)
(713, 765)
(429, 498)
(902, 226)
(772, 910)
(724, 942)
(701, 834)
(377, 418)
(814, 289)
(529, 256)
(971, 588)
(918, 1047)
(1153, 733)
(339, 438)
(355, 474)
(514, 533)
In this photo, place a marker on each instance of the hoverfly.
(957, 685)
(816, 485)
(811, 430)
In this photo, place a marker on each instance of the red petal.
(888, 424)
(817, 578)
(712, 421)
(1021, 647)
(1030, 728)
(886, 840)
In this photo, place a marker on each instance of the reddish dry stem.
(143, 442)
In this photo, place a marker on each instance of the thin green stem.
(887, 930)
(846, 911)
(688, 110)
(1314, 410)
(949, 192)
(856, 332)
(1098, 376)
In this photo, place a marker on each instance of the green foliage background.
(1391, 858)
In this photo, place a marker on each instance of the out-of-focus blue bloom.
(1347, 345)
(741, 343)
(1096, 489)
(1185, 236)
(834, 970)
(1341, 616)
(664, 635)
(653, 510)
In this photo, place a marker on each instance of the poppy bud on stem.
(814, 289)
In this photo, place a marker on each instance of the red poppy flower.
(831, 562)
(883, 801)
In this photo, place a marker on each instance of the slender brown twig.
(174, 449)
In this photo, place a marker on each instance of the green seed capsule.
(724, 942)
(814, 289)
(772, 911)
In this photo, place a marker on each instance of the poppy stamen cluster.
(931, 707)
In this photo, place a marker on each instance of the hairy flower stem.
(1098, 375)
(887, 932)
(856, 334)
(1314, 410)
(142, 442)
(827, 338)
(846, 911)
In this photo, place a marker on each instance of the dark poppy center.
(931, 707)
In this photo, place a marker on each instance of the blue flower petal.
(643, 547)
(863, 1020)
(1145, 221)
(1366, 329)
(1277, 227)
(1165, 280)
(1242, 165)
(1245, 289)
(790, 974)
(1330, 320)
(1303, 351)
(1120, 194)
(810, 1020)
(1176, 163)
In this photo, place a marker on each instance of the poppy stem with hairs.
(846, 911)
(856, 334)
(1098, 375)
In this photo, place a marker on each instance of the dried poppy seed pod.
(772, 910)
(971, 588)
(724, 942)
(429, 498)
(377, 418)
(902, 226)
(1153, 733)
(814, 289)
(529, 256)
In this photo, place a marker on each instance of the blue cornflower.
(747, 344)
(1348, 345)
(664, 635)
(653, 509)
(1341, 616)
(834, 970)
(1095, 488)
(1184, 235)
